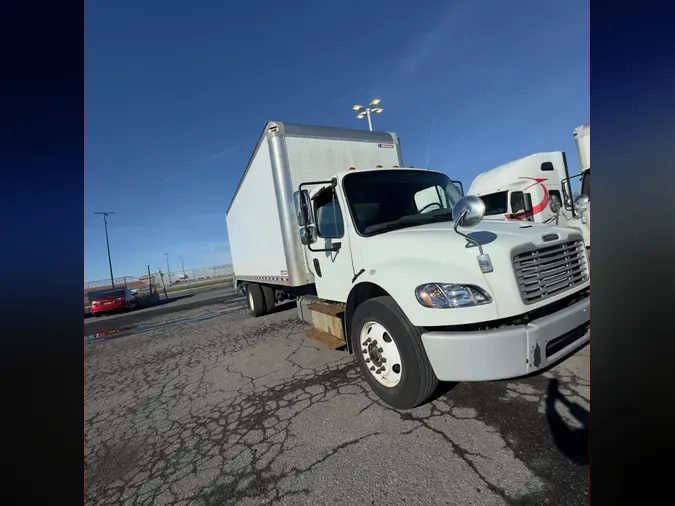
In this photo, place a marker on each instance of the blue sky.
(176, 94)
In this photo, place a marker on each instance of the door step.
(325, 340)
(327, 322)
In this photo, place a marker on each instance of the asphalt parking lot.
(209, 406)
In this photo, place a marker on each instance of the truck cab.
(542, 176)
(428, 290)
(537, 188)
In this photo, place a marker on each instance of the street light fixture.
(364, 112)
(105, 215)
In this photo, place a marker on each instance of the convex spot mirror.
(469, 211)
(306, 236)
(581, 202)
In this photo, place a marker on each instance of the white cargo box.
(261, 221)
(582, 140)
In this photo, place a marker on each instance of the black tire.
(418, 381)
(256, 300)
(268, 295)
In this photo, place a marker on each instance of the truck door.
(329, 256)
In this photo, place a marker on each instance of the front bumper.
(508, 352)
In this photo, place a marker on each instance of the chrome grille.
(549, 270)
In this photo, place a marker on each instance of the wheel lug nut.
(380, 350)
(364, 351)
(372, 367)
(374, 342)
(383, 360)
(367, 361)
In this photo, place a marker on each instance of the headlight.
(447, 295)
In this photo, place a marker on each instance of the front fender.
(400, 278)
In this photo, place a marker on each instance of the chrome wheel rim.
(380, 354)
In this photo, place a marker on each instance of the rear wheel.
(389, 351)
(268, 295)
(256, 300)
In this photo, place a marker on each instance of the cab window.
(329, 223)
(495, 203)
(517, 202)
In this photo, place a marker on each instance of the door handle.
(317, 267)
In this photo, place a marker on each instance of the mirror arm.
(332, 184)
(334, 247)
(330, 187)
(467, 237)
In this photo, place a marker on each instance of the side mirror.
(306, 235)
(581, 202)
(554, 204)
(469, 211)
(302, 202)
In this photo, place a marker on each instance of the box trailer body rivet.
(396, 266)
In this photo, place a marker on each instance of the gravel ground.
(210, 406)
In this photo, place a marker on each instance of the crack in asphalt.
(227, 409)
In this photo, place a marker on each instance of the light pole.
(105, 215)
(183, 266)
(168, 269)
(364, 112)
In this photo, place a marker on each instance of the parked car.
(115, 300)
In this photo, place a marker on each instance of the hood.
(434, 252)
(493, 235)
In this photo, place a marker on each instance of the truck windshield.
(391, 199)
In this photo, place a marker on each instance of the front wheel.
(390, 353)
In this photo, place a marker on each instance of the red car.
(113, 301)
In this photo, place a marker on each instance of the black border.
(632, 110)
(41, 155)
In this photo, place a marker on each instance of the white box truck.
(396, 266)
(537, 188)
